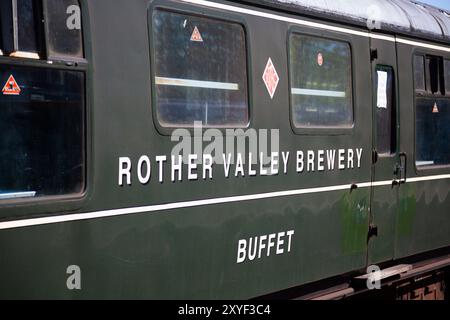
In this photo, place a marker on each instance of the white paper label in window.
(382, 89)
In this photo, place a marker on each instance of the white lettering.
(285, 156)
(226, 165)
(300, 163)
(341, 159)
(160, 160)
(350, 162)
(252, 254)
(274, 163)
(320, 160)
(310, 166)
(239, 166)
(262, 170)
(280, 243)
(207, 165)
(271, 243)
(359, 156)
(331, 157)
(251, 171)
(290, 234)
(192, 166)
(242, 246)
(124, 170)
(264, 246)
(144, 160)
(176, 168)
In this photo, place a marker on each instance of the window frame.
(426, 169)
(337, 37)
(447, 90)
(13, 38)
(425, 90)
(76, 195)
(394, 112)
(46, 41)
(42, 37)
(208, 13)
(66, 203)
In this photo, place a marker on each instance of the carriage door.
(386, 162)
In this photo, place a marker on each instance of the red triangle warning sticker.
(196, 36)
(11, 87)
(435, 108)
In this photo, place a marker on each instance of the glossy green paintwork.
(354, 211)
(191, 253)
(424, 215)
(385, 198)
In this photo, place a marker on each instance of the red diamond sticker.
(271, 78)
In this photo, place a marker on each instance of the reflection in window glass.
(419, 73)
(434, 66)
(6, 26)
(63, 41)
(321, 82)
(447, 76)
(386, 115)
(28, 25)
(200, 71)
(42, 129)
(432, 132)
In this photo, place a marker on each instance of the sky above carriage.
(444, 4)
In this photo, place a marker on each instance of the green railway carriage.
(97, 95)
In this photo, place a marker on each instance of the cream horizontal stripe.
(314, 24)
(381, 37)
(196, 83)
(423, 45)
(319, 93)
(197, 203)
(13, 195)
(275, 17)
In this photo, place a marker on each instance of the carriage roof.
(395, 16)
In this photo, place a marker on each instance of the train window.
(432, 132)
(386, 111)
(42, 132)
(63, 28)
(200, 70)
(6, 24)
(433, 115)
(419, 73)
(435, 75)
(21, 27)
(8, 27)
(27, 25)
(447, 76)
(321, 82)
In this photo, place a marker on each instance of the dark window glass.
(447, 76)
(6, 26)
(432, 132)
(386, 115)
(21, 26)
(321, 82)
(419, 73)
(42, 132)
(63, 27)
(28, 25)
(200, 71)
(435, 75)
